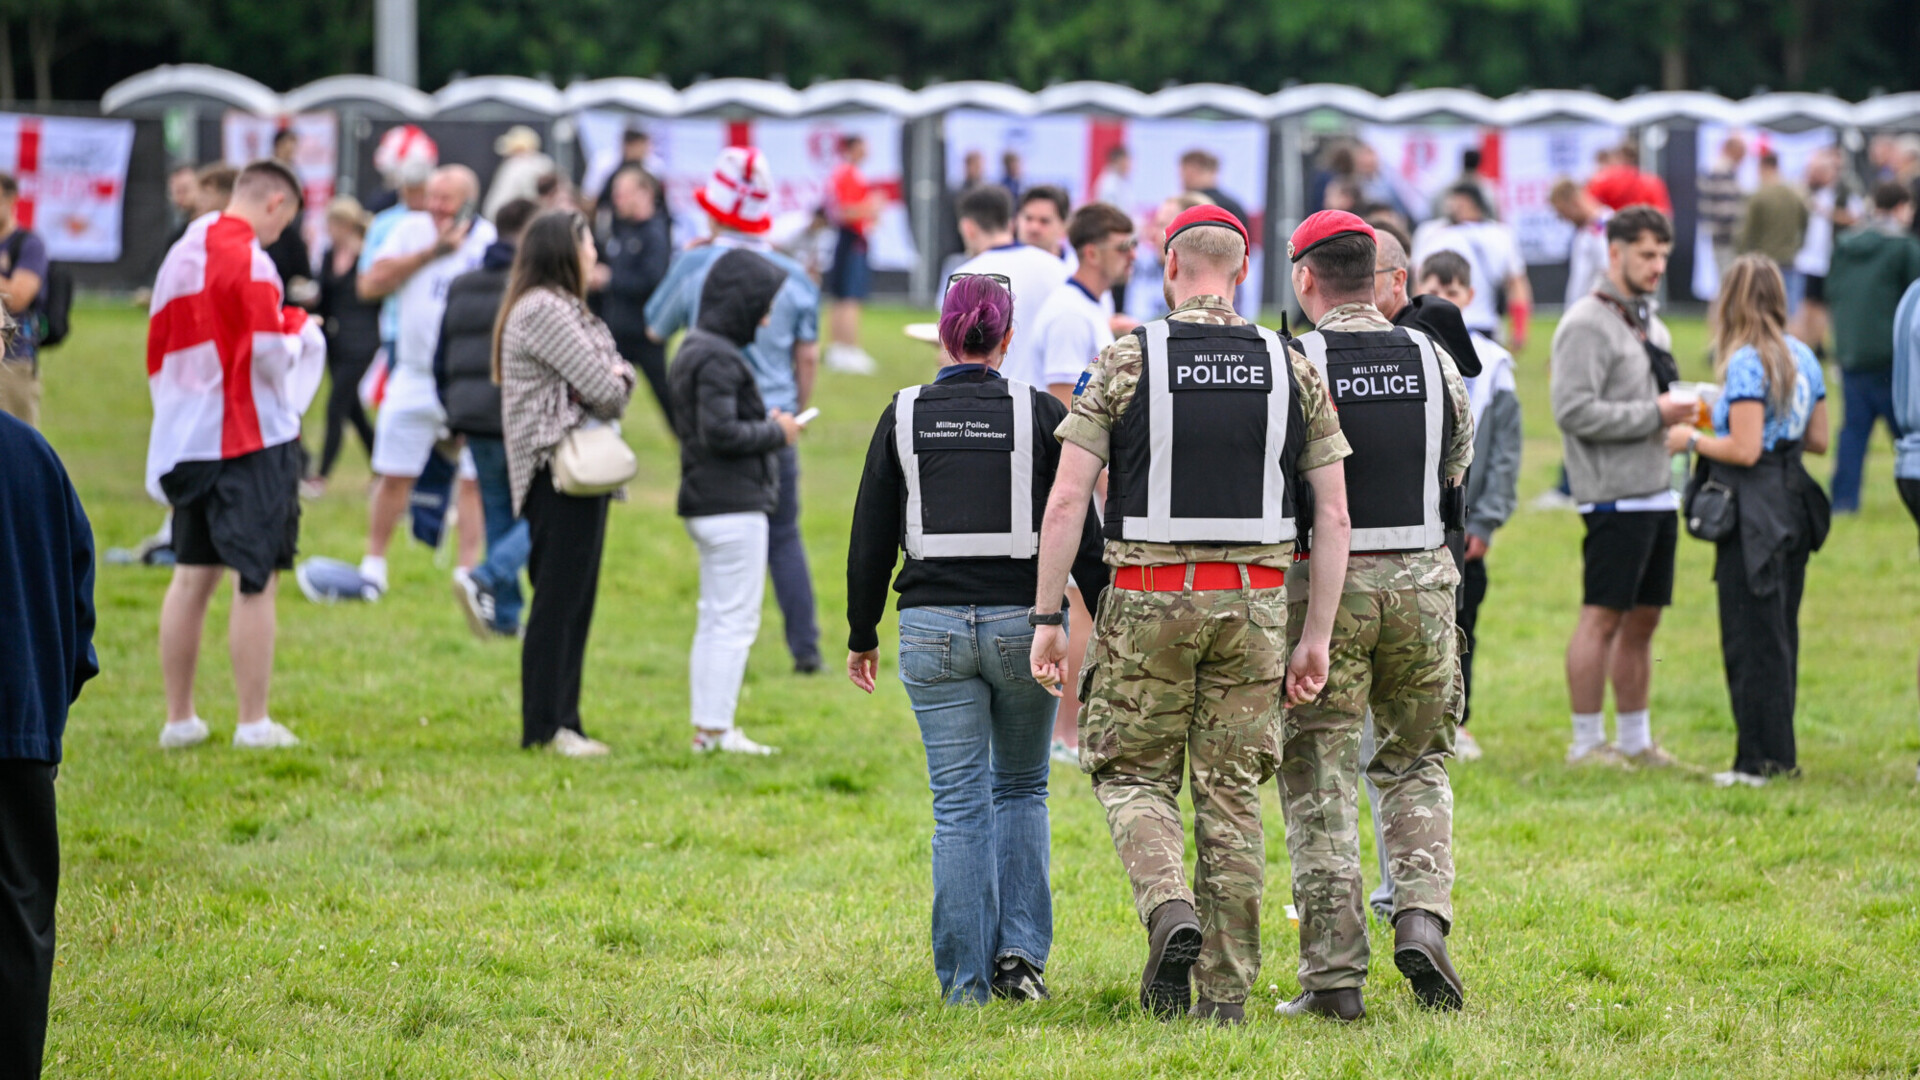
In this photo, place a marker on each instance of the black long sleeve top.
(878, 533)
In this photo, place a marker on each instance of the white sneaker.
(1465, 746)
(263, 735)
(476, 602)
(183, 734)
(1064, 754)
(375, 575)
(730, 741)
(569, 743)
(1735, 776)
(850, 360)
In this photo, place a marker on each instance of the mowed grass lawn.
(408, 894)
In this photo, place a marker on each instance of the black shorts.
(242, 513)
(1628, 556)
(1910, 494)
(1816, 287)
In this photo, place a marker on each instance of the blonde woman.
(1772, 409)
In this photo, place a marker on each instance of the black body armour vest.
(1393, 410)
(1205, 452)
(966, 451)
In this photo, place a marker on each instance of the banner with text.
(802, 155)
(73, 178)
(316, 160)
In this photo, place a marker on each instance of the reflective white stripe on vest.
(1429, 533)
(1273, 526)
(1018, 542)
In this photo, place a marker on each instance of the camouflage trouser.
(1193, 677)
(1397, 651)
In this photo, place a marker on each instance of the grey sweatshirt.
(1605, 401)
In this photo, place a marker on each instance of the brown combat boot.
(1224, 1013)
(1173, 945)
(1343, 1005)
(1420, 952)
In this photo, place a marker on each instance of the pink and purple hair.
(975, 317)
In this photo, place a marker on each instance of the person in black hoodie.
(729, 484)
(635, 253)
(965, 636)
(463, 373)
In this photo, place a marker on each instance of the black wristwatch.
(1057, 618)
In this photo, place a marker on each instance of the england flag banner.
(73, 177)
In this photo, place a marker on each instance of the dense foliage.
(76, 48)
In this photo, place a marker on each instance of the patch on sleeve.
(1086, 376)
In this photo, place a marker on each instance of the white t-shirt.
(1816, 251)
(1586, 259)
(1489, 248)
(1035, 275)
(423, 299)
(1072, 328)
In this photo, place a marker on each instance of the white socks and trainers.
(262, 734)
(374, 569)
(1589, 734)
(178, 735)
(1633, 732)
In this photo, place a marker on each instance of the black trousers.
(1473, 589)
(567, 534)
(650, 357)
(29, 879)
(343, 408)
(1760, 646)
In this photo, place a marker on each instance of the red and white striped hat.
(737, 192)
(406, 156)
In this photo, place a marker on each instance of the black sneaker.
(809, 666)
(1016, 980)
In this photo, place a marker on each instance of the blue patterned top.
(1747, 381)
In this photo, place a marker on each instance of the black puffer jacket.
(727, 444)
(463, 360)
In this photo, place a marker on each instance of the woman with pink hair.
(957, 475)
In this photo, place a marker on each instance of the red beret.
(1206, 215)
(1322, 227)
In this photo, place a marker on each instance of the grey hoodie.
(1605, 400)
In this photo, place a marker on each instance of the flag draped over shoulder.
(230, 369)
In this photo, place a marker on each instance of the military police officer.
(1403, 409)
(1216, 437)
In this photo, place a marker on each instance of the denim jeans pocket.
(1016, 657)
(926, 657)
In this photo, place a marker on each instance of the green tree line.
(74, 49)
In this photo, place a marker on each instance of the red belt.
(1207, 576)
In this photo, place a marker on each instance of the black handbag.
(1709, 507)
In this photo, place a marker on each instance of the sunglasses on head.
(1003, 280)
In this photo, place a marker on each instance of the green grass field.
(408, 894)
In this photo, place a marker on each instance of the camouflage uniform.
(1189, 678)
(1395, 648)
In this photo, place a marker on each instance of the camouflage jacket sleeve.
(1460, 453)
(1325, 444)
(1107, 392)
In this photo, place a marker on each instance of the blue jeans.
(1869, 397)
(787, 561)
(507, 541)
(986, 726)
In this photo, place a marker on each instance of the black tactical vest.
(1202, 454)
(966, 451)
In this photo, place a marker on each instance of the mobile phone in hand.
(806, 417)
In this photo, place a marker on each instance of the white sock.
(374, 569)
(1589, 731)
(189, 721)
(255, 723)
(1633, 732)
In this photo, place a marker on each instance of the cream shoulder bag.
(592, 460)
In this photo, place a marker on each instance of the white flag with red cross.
(73, 176)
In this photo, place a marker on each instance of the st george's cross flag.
(230, 369)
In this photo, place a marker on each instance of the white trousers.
(733, 578)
